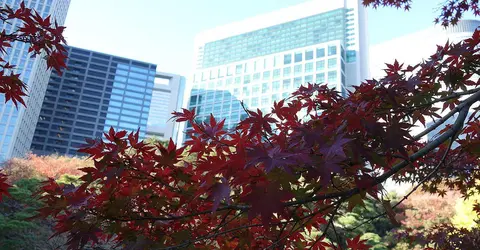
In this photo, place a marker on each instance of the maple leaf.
(271, 158)
(357, 244)
(258, 122)
(214, 129)
(336, 148)
(57, 60)
(220, 191)
(265, 200)
(185, 115)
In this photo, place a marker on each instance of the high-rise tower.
(17, 126)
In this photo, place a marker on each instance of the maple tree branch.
(425, 179)
(330, 222)
(422, 152)
(336, 235)
(442, 99)
(442, 120)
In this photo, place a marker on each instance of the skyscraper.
(265, 58)
(167, 96)
(17, 125)
(97, 91)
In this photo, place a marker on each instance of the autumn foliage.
(41, 167)
(269, 182)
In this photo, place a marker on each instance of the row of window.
(299, 33)
(298, 70)
(246, 68)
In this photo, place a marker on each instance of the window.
(133, 94)
(238, 69)
(265, 87)
(246, 79)
(129, 119)
(320, 78)
(256, 88)
(121, 72)
(287, 72)
(308, 55)
(320, 52)
(255, 102)
(131, 106)
(309, 67)
(276, 73)
(246, 92)
(297, 70)
(298, 57)
(213, 74)
(276, 86)
(265, 101)
(332, 50)
(351, 56)
(266, 75)
(320, 65)
(297, 82)
(309, 78)
(287, 59)
(332, 76)
(256, 76)
(286, 84)
(332, 63)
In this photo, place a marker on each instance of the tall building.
(97, 91)
(17, 125)
(168, 92)
(265, 58)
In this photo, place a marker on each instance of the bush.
(424, 210)
(465, 216)
(16, 232)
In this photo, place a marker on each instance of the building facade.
(265, 58)
(17, 125)
(167, 96)
(96, 92)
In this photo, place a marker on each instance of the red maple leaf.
(266, 199)
(357, 244)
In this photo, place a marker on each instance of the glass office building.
(96, 92)
(265, 58)
(17, 125)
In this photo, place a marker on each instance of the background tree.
(41, 167)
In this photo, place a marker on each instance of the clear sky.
(162, 31)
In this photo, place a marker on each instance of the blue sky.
(162, 31)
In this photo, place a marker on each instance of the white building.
(265, 58)
(167, 96)
(17, 126)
